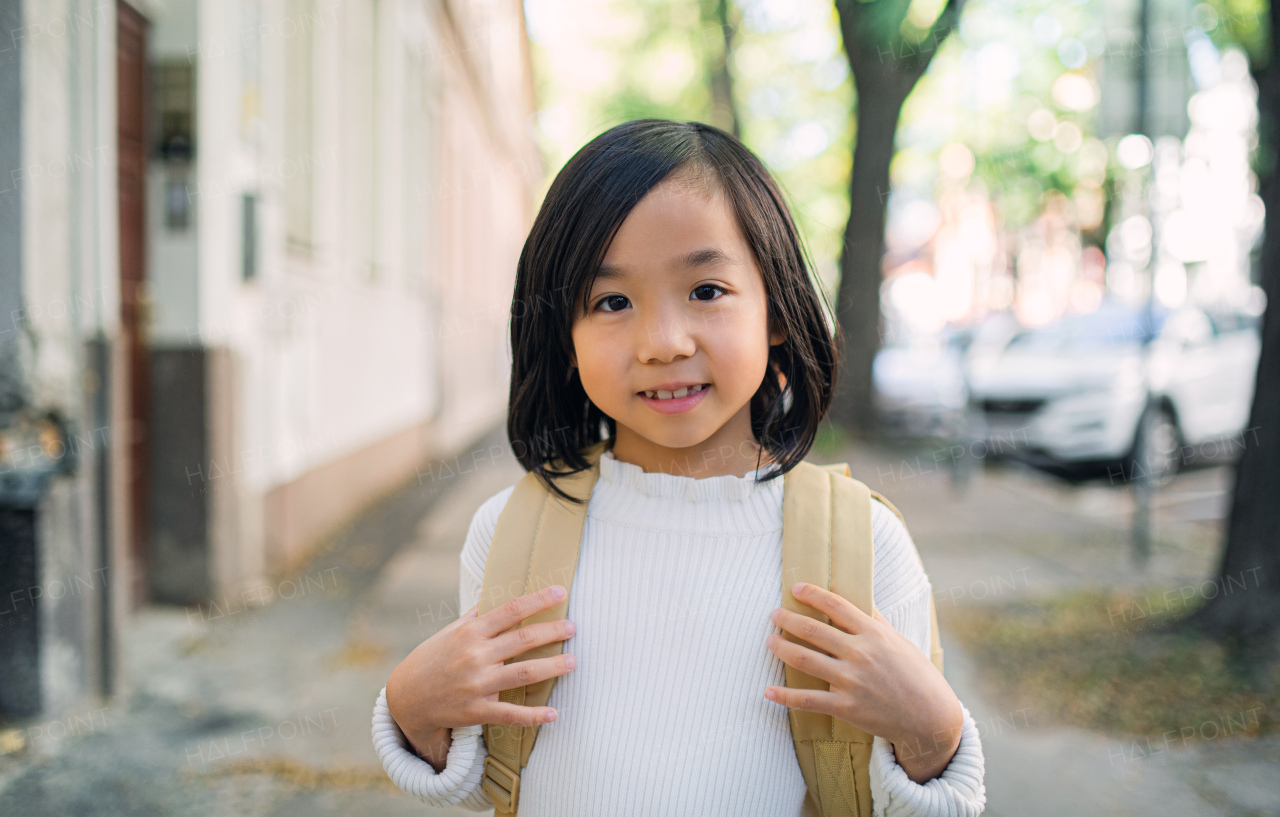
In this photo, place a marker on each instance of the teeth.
(683, 391)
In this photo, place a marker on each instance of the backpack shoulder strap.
(535, 545)
(827, 541)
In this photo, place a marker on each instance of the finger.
(810, 700)
(516, 715)
(501, 619)
(817, 633)
(459, 621)
(810, 662)
(842, 612)
(465, 617)
(523, 673)
(523, 639)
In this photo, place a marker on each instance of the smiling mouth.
(683, 391)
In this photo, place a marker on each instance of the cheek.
(741, 352)
(597, 355)
(745, 330)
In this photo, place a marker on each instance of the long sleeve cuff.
(457, 784)
(958, 792)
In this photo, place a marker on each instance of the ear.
(777, 337)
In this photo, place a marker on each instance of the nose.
(665, 336)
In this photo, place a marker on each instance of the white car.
(1076, 391)
(919, 386)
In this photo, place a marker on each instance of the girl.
(664, 295)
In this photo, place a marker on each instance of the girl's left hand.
(879, 681)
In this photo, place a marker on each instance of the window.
(249, 236)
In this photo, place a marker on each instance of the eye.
(708, 286)
(608, 298)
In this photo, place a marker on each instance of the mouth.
(678, 402)
(683, 391)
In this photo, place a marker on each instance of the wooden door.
(131, 108)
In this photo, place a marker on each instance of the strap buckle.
(502, 785)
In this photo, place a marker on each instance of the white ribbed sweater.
(665, 712)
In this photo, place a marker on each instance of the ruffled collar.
(624, 475)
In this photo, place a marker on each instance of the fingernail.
(768, 693)
(797, 587)
(774, 616)
(769, 641)
(570, 661)
(551, 716)
(570, 627)
(557, 591)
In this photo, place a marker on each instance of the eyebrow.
(697, 258)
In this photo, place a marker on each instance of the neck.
(711, 458)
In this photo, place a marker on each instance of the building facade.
(257, 265)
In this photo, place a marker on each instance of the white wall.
(173, 256)
(70, 295)
(348, 342)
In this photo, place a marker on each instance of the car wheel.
(1156, 446)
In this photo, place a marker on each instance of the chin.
(678, 441)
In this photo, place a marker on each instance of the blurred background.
(256, 260)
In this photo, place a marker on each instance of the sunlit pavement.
(1015, 532)
(241, 710)
(1051, 534)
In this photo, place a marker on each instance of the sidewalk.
(266, 711)
(1014, 532)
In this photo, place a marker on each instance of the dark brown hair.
(550, 419)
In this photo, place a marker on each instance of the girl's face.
(680, 301)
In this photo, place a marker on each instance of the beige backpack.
(826, 541)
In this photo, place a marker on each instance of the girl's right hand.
(453, 678)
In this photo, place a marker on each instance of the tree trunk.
(718, 34)
(1246, 603)
(885, 69)
(858, 302)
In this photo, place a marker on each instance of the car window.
(1097, 330)
(1225, 322)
